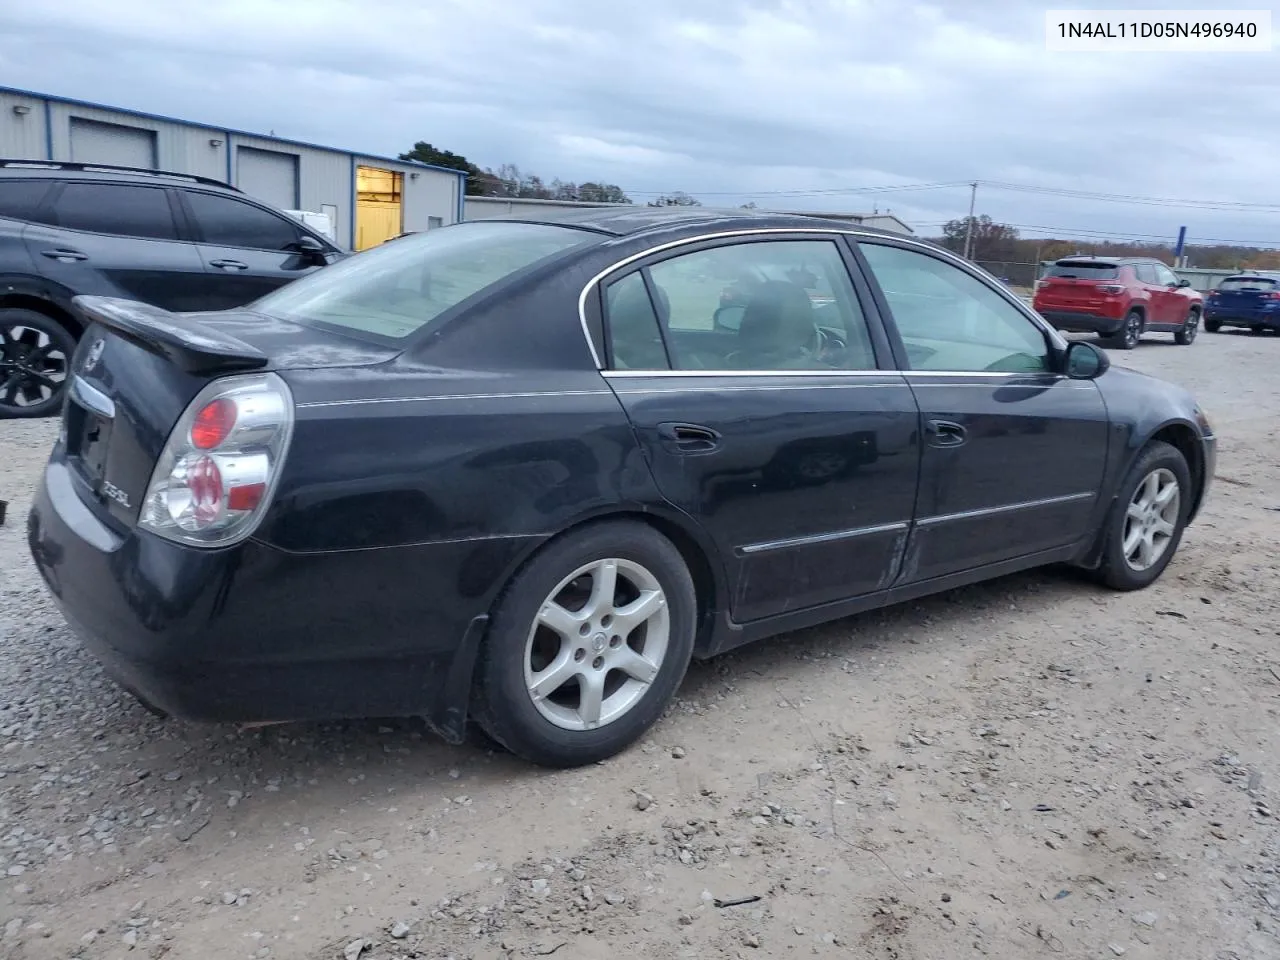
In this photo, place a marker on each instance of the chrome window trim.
(910, 242)
(527, 394)
(985, 374)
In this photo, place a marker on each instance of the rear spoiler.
(187, 344)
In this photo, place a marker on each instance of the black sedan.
(522, 472)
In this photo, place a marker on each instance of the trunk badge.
(94, 355)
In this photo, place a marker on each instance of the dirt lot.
(1031, 768)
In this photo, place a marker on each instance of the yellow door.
(379, 210)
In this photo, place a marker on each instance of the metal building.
(367, 198)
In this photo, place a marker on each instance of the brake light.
(216, 473)
(213, 423)
(1112, 288)
(1271, 296)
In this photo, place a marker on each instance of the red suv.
(1118, 298)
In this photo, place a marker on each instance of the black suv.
(181, 242)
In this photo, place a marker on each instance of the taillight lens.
(1271, 296)
(1112, 288)
(216, 474)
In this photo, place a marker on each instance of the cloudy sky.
(791, 103)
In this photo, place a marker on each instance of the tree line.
(508, 180)
(1000, 243)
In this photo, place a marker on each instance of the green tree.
(424, 152)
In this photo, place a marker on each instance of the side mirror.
(1184, 283)
(308, 244)
(728, 318)
(1085, 361)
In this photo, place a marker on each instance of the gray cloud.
(731, 101)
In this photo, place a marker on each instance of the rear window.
(399, 287)
(1249, 283)
(20, 199)
(1084, 271)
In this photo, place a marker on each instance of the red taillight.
(213, 424)
(216, 474)
(1112, 288)
(246, 496)
(1271, 296)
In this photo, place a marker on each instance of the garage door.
(93, 141)
(268, 175)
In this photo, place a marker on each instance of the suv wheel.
(1127, 336)
(1213, 326)
(1190, 328)
(35, 359)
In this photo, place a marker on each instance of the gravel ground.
(1033, 767)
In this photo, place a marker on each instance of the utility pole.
(968, 230)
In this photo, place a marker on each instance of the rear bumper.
(252, 633)
(1077, 322)
(1235, 318)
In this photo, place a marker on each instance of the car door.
(787, 443)
(247, 250)
(1153, 294)
(1173, 305)
(115, 239)
(1014, 451)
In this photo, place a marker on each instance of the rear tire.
(1258, 329)
(35, 362)
(1141, 534)
(1187, 335)
(1213, 326)
(567, 675)
(1129, 333)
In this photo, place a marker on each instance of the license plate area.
(88, 423)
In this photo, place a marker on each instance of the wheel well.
(1184, 439)
(25, 301)
(695, 558)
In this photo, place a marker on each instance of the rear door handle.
(946, 434)
(688, 437)
(63, 255)
(229, 264)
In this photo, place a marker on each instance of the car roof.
(624, 219)
(59, 170)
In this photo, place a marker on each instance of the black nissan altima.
(520, 473)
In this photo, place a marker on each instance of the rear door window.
(118, 209)
(227, 222)
(1068, 270)
(1146, 273)
(20, 199)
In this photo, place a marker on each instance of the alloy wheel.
(597, 643)
(32, 366)
(1132, 330)
(1151, 519)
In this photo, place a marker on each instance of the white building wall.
(180, 147)
(23, 137)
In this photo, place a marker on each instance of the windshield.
(1084, 271)
(1248, 283)
(397, 288)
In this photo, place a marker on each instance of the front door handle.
(228, 265)
(63, 255)
(688, 437)
(946, 434)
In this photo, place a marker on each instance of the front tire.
(587, 645)
(1187, 335)
(1129, 334)
(1145, 527)
(1213, 326)
(35, 361)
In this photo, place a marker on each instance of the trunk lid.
(1083, 286)
(138, 367)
